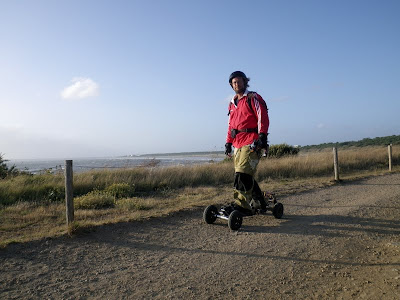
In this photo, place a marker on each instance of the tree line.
(377, 141)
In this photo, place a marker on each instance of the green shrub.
(94, 200)
(5, 170)
(227, 159)
(282, 150)
(120, 190)
(53, 193)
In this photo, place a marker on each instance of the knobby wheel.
(210, 214)
(235, 220)
(277, 211)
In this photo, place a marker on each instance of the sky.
(109, 78)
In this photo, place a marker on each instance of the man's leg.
(258, 195)
(243, 189)
(246, 162)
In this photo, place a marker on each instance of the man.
(247, 132)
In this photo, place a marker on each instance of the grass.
(32, 208)
(129, 182)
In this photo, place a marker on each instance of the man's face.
(238, 85)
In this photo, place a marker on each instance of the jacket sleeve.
(260, 107)
(229, 138)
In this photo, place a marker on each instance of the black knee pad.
(243, 182)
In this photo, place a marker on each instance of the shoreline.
(37, 166)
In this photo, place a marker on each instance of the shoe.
(227, 209)
(262, 211)
(245, 211)
(264, 205)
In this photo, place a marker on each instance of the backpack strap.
(251, 96)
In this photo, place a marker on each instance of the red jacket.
(241, 116)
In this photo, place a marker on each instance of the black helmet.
(237, 74)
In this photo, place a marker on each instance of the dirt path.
(341, 242)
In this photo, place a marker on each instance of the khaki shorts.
(246, 161)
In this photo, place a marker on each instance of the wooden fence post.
(69, 195)
(335, 164)
(390, 157)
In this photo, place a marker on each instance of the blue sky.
(106, 78)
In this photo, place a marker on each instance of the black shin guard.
(258, 195)
(243, 182)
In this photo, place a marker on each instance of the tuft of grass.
(76, 228)
(132, 204)
(94, 200)
(73, 228)
(120, 190)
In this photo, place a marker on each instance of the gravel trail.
(341, 242)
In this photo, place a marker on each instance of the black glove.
(228, 149)
(262, 142)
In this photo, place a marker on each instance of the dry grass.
(147, 180)
(321, 163)
(30, 221)
(167, 190)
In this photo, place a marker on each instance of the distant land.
(377, 141)
(199, 153)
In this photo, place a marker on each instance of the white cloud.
(320, 126)
(80, 88)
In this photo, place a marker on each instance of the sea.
(40, 166)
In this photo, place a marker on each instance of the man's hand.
(262, 142)
(228, 149)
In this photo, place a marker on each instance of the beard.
(240, 90)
